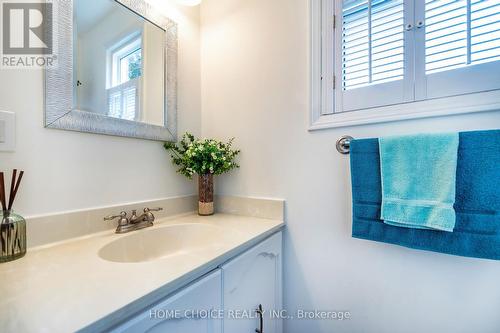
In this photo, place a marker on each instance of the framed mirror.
(116, 70)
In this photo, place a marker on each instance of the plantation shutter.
(485, 31)
(114, 104)
(129, 103)
(373, 53)
(462, 47)
(123, 100)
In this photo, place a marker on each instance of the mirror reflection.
(119, 62)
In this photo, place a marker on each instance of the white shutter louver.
(123, 100)
(372, 42)
(460, 33)
(445, 34)
(485, 30)
(114, 104)
(129, 101)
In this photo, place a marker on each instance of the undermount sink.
(167, 241)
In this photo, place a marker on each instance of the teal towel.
(418, 180)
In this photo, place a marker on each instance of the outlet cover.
(7, 131)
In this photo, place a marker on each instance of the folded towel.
(477, 200)
(418, 180)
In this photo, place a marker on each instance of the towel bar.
(344, 144)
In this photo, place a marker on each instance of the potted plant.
(205, 157)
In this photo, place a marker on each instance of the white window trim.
(113, 51)
(322, 91)
(117, 57)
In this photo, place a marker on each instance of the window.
(127, 63)
(382, 53)
(124, 78)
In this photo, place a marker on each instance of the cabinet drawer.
(185, 311)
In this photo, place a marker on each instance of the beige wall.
(69, 170)
(255, 86)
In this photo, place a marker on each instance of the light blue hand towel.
(418, 180)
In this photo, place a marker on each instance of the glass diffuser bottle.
(12, 236)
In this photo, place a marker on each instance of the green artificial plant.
(202, 156)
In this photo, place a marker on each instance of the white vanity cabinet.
(186, 311)
(251, 280)
(233, 292)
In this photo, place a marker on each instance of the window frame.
(326, 62)
(118, 52)
(123, 48)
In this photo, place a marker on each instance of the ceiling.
(90, 12)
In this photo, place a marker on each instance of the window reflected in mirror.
(119, 62)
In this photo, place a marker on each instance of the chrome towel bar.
(344, 144)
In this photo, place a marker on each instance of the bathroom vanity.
(234, 296)
(187, 273)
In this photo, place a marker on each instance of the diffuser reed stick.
(2, 192)
(13, 188)
(12, 185)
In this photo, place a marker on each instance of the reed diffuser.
(13, 226)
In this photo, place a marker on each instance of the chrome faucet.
(135, 222)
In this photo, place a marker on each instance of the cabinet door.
(195, 309)
(251, 280)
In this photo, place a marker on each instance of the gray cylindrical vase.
(206, 194)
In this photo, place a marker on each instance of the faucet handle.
(157, 209)
(112, 217)
(149, 216)
(123, 219)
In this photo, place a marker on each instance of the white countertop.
(67, 287)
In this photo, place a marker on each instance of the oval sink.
(172, 240)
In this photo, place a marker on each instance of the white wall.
(255, 75)
(152, 79)
(70, 170)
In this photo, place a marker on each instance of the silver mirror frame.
(59, 111)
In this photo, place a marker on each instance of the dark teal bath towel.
(477, 200)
